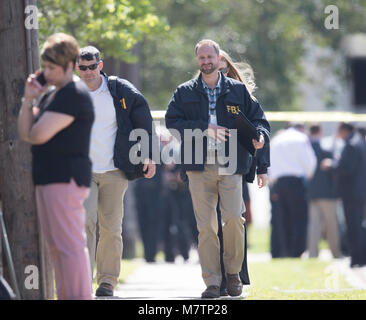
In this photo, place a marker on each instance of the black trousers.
(149, 221)
(176, 229)
(356, 233)
(289, 217)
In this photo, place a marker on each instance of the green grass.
(294, 279)
(258, 240)
(298, 279)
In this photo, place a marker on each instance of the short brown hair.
(210, 43)
(60, 49)
(346, 126)
(315, 128)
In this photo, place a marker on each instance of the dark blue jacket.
(132, 112)
(351, 168)
(322, 184)
(188, 109)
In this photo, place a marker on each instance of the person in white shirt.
(293, 163)
(115, 112)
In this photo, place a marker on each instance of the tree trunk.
(128, 71)
(16, 187)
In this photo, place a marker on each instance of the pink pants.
(62, 218)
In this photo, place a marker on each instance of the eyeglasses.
(91, 67)
(224, 70)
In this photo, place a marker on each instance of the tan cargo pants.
(205, 187)
(105, 205)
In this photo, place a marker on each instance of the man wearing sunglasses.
(119, 107)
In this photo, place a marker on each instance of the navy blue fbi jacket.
(188, 109)
(132, 112)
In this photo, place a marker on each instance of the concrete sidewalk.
(166, 281)
(163, 281)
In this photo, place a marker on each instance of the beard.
(208, 68)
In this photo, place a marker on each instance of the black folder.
(246, 131)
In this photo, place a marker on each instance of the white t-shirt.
(291, 155)
(104, 130)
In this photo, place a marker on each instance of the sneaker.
(104, 290)
(211, 292)
(234, 285)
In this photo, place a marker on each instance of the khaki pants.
(105, 205)
(205, 187)
(323, 217)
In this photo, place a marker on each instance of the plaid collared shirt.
(212, 95)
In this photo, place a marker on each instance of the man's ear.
(220, 57)
(100, 64)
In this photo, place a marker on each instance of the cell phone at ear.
(41, 79)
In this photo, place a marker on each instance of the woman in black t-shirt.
(59, 131)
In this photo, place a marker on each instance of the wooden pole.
(16, 187)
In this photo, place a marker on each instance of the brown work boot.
(211, 292)
(234, 285)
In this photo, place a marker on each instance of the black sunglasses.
(224, 70)
(91, 67)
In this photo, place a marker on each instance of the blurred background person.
(147, 193)
(60, 137)
(362, 132)
(176, 213)
(323, 201)
(293, 163)
(350, 172)
(179, 230)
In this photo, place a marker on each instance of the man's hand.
(262, 180)
(326, 164)
(258, 144)
(218, 133)
(150, 166)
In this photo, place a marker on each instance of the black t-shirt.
(66, 155)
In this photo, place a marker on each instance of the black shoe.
(211, 292)
(104, 290)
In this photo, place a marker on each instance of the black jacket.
(351, 168)
(132, 112)
(188, 109)
(322, 184)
